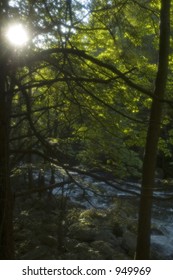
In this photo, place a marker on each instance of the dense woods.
(90, 92)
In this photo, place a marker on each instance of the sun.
(17, 35)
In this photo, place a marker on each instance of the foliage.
(85, 111)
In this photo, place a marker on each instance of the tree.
(148, 175)
(6, 200)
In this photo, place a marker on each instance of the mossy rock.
(104, 249)
(50, 228)
(117, 229)
(129, 243)
(84, 252)
(70, 243)
(107, 236)
(82, 232)
(48, 240)
(41, 252)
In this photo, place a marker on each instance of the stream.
(87, 192)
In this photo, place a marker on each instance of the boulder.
(82, 232)
(104, 249)
(85, 252)
(39, 253)
(107, 236)
(48, 240)
(117, 230)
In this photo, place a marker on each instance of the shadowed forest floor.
(49, 227)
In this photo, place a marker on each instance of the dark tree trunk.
(6, 201)
(145, 211)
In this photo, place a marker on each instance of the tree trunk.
(148, 176)
(6, 205)
(6, 221)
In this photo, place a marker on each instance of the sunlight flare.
(17, 35)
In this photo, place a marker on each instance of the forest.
(86, 129)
